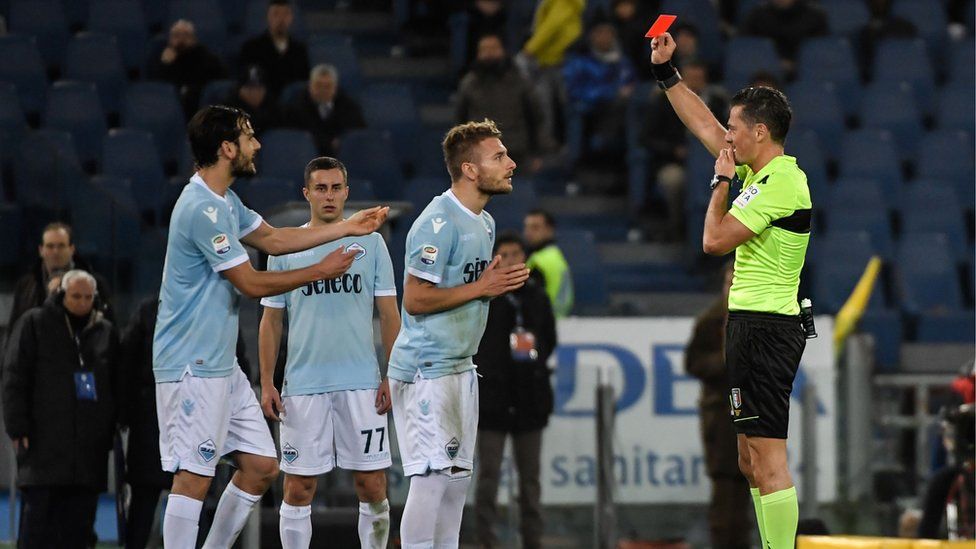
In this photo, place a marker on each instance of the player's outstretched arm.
(421, 297)
(692, 111)
(286, 240)
(269, 340)
(255, 284)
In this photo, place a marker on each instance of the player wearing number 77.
(334, 404)
(768, 226)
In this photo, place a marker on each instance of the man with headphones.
(60, 388)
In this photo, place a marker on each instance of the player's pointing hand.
(367, 221)
(662, 48)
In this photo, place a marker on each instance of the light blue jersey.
(196, 327)
(448, 245)
(330, 322)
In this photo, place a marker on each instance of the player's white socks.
(181, 522)
(374, 524)
(295, 526)
(448, 531)
(232, 511)
(419, 514)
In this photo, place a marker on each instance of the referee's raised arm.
(690, 108)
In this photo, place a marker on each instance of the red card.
(660, 26)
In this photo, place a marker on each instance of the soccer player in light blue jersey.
(334, 405)
(450, 277)
(205, 406)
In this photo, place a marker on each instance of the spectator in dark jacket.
(729, 509)
(251, 96)
(186, 63)
(60, 387)
(788, 23)
(516, 396)
(324, 110)
(56, 257)
(495, 89)
(283, 57)
(484, 17)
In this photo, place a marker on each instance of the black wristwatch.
(716, 179)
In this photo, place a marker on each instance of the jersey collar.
(199, 181)
(450, 194)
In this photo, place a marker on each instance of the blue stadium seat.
(148, 264)
(700, 13)
(125, 20)
(833, 283)
(962, 57)
(955, 110)
(155, 107)
(926, 276)
(207, 18)
(874, 221)
(75, 13)
(45, 21)
(11, 223)
(744, 7)
(255, 18)
(184, 165)
(369, 154)
(886, 329)
(509, 210)
(747, 55)
(419, 191)
(805, 146)
(840, 247)
(429, 161)
(899, 60)
(118, 188)
(361, 190)
(46, 170)
(263, 194)
(947, 222)
(95, 58)
(589, 278)
(22, 66)
(12, 122)
(857, 193)
(817, 108)
(946, 327)
(927, 194)
(284, 154)
(105, 228)
(870, 154)
(155, 12)
(929, 19)
(392, 107)
(340, 54)
(75, 107)
(831, 59)
(216, 92)
(947, 154)
(892, 107)
(131, 154)
(292, 91)
(845, 17)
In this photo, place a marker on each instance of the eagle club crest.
(207, 450)
(289, 453)
(452, 448)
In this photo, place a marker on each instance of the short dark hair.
(279, 3)
(325, 163)
(546, 216)
(461, 140)
(766, 106)
(508, 237)
(57, 226)
(211, 126)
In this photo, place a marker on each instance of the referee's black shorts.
(762, 354)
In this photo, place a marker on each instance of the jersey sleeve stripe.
(257, 223)
(386, 293)
(230, 263)
(432, 278)
(271, 303)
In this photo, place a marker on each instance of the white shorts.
(322, 431)
(204, 418)
(436, 421)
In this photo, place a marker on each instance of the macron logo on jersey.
(211, 214)
(438, 224)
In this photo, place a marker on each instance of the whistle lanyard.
(76, 338)
(517, 303)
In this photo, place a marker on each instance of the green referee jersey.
(774, 204)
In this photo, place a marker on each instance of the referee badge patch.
(746, 196)
(736, 398)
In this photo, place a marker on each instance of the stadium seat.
(885, 327)
(105, 228)
(874, 221)
(216, 92)
(184, 165)
(11, 222)
(833, 283)
(589, 279)
(75, 13)
(206, 16)
(118, 188)
(747, 55)
(392, 107)
(155, 107)
(929, 19)
(95, 58)
(284, 154)
(369, 154)
(857, 193)
(892, 107)
(46, 170)
(946, 327)
(509, 210)
(76, 108)
(947, 154)
(429, 160)
(12, 122)
(702, 14)
(840, 246)
(955, 109)
(947, 222)
(255, 18)
(805, 146)
(817, 108)
(831, 59)
(45, 21)
(926, 194)
(263, 194)
(961, 60)
(361, 190)
(148, 264)
(419, 191)
(22, 66)
(291, 92)
(898, 60)
(125, 20)
(340, 54)
(926, 275)
(870, 154)
(132, 154)
(844, 17)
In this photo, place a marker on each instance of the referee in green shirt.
(768, 226)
